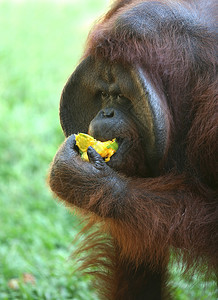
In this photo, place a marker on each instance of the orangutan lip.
(119, 140)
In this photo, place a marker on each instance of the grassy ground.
(41, 42)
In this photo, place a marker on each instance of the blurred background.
(41, 43)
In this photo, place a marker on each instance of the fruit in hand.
(105, 149)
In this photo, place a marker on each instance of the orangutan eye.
(120, 98)
(104, 94)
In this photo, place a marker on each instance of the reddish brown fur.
(177, 209)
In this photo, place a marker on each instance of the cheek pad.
(81, 101)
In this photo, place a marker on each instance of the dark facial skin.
(117, 123)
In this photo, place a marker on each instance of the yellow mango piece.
(105, 149)
(83, 141)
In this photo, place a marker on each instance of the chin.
(129, 159)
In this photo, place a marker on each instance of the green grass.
(41, 43)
